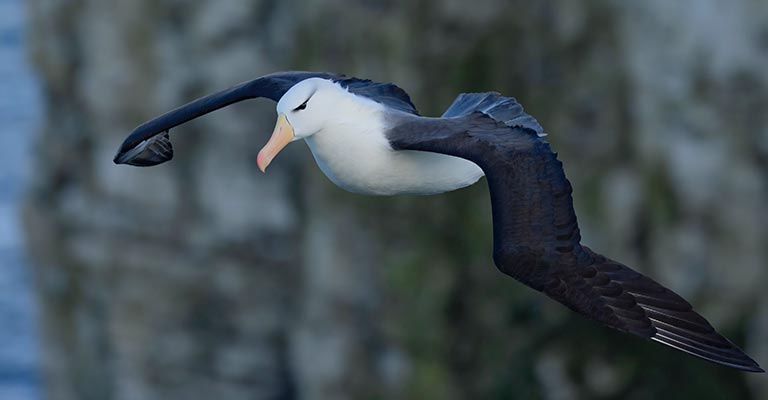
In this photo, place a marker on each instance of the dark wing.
(388, 94)
(496, 106)
(537, 240)
(272, 86)
(155, 150)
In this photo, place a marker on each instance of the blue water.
(19, 115)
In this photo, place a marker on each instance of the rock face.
(202, 278)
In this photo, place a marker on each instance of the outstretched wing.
(145, 146)
(537, 240)
(140, 147)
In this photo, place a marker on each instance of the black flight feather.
(536, 236)
(272, 86)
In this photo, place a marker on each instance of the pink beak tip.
(260, 162)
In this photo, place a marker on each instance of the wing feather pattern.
(496, 106)
(536, 234)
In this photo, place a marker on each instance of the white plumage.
(346, 134)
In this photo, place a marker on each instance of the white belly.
(363, 162)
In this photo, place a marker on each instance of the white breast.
(353, 152)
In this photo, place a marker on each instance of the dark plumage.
(387, 94)
(272, 86)
(536, 237)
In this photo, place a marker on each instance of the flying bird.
(367, 137)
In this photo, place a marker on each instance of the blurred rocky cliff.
(203, 278)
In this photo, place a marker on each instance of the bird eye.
(302, 106)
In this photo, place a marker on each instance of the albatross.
(367, 137)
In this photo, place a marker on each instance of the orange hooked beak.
(281, 136)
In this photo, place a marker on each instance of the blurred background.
(202, 278)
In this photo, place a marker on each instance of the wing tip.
(156, 150)
(740, 360)
(673, 321)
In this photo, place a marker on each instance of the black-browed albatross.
(367, 137)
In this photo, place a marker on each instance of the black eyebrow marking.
(302, 105)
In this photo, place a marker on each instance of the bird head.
(301, 113)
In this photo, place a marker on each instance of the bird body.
(350, 145)
(367, 137)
